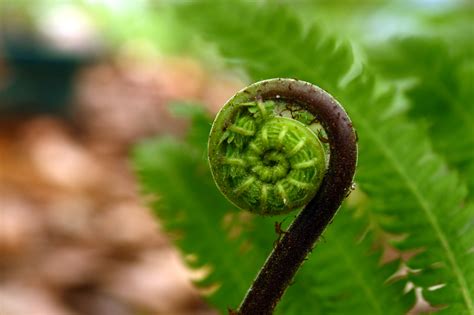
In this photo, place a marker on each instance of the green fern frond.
(398, 170)
(186, 193)
(345, 276)
(442, 94)
(411, 185)
(195, 214)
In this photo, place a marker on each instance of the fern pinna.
(442, 89)
(410, 194)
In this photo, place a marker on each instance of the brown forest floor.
(75, 238)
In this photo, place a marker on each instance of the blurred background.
(80, 83)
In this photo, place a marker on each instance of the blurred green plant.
(439, 84)
(412, 199)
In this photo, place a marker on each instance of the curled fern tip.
(281, 145)
(265, 155)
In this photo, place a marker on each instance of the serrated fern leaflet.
(441, 94)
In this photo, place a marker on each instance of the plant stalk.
(295, 245)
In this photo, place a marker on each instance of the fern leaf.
(412, 186)
(442, 94)
(344, 276)
(398, 169)
(211, 233)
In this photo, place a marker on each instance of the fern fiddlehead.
(264, 162)
(265, 157)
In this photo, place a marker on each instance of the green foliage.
(441, 95)
(232, 244)
(201, 221)
(411, 191)
(343, 276)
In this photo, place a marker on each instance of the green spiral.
(265, 155)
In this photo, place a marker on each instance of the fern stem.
(290, 252)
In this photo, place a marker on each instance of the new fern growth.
(263, 154)
(266, 158)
